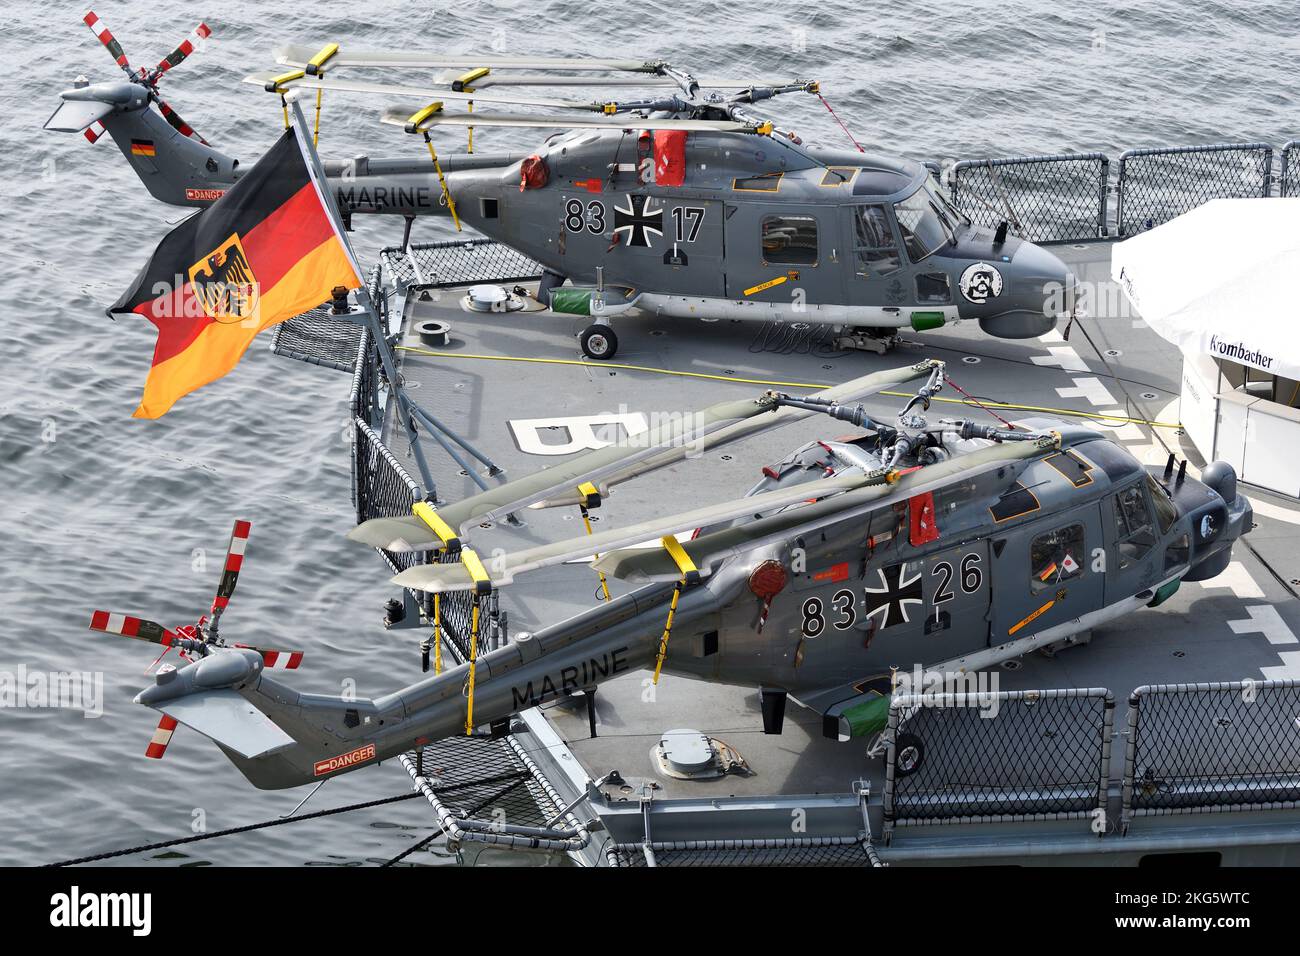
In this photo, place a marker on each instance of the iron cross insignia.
(638, 220)
(900, 586)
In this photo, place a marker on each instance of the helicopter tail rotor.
(149, 78)
(199, 640)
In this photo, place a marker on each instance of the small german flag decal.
(143, 147)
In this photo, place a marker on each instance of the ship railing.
(1065, 197)
(1211, 748)
(457, 262)
(488, 791)
(1059, 198)
(1289, 177)
(997, 757)
(1156, 185)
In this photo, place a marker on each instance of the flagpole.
(366, 304)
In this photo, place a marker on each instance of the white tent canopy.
(1222, 280)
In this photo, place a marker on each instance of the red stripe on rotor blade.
(161, 738)
(241, 529)
(99, 620)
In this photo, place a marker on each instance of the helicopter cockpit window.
(924, 223)
(790, 240)
(874, 249)
(1056, 556)
(1135, 532)
(1166, 513)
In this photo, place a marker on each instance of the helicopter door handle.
(890, 308)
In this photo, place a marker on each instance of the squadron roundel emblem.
(980, 282)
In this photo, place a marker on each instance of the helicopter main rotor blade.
(645, 565)
(455, 577)
(299, 55)
(401, 117)
(424, 93)
(547, 79)
(854, 390)
(692, 434)
(839, 498)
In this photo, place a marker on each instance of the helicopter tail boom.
(279, 738)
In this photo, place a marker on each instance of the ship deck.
(520, 367)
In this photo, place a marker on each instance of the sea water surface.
(103, 511)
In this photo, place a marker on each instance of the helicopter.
(949, 542)
(677, 200)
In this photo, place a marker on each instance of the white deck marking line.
(1236, 578)
(1064, 356)
(1290, 667)
(1091, 388)
(1265, 620)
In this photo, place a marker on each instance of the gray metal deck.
(503, 369)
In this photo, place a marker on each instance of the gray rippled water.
(104, 511)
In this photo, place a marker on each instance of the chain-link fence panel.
(381, 487)
(1059, 198)
(996, 757)
(1197, 748)
(1156, 185)
(825, 851)
(458, 262)
(1290, 176)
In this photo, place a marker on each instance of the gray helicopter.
(954, 544)
(678, 200)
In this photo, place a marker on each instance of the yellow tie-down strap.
(451, 541)
(275, 84)
(462, 83)
(445, 532)
(690, 573)
(326, 54)
(590, 495)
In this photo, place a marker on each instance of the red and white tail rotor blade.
(187, 46)
(176, 120)
(274, 659)
(234, 561)
(127, 626)
(106, 37)
(161, 738)
(94, 131)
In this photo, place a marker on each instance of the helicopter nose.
(1042, 288)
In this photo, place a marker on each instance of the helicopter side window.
(1056, 556)
(924, 225)
(1134, 529)
(790, 240)
(874, 249)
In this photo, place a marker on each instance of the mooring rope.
(244, 829)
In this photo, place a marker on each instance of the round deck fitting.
(686, 754)
(433, 332)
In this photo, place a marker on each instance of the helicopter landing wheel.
(598, 342)
(909, 754)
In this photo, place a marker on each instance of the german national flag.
(143, 147)
(264, 252)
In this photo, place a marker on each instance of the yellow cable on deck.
(1074, 413)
